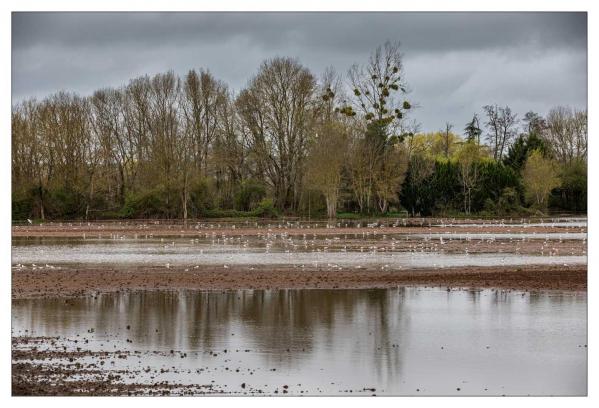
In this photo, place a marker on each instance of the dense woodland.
(288, 144)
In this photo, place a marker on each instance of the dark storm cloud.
(455, 62)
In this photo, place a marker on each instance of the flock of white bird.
(275, 237)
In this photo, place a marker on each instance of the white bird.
(29, 221)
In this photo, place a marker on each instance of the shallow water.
(549, 223)
(346, 250)
(132, 254)
(554, 236)
(405, 341)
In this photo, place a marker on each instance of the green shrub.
(508, 202)
(146, 204)
(489, 206)
(219, 213)
(22, 207)
(249, 195)
(65, 203)
(202, 197)
(571, 195)
(266, 209)
(349, 216)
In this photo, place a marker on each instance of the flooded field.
(274, 246)
(133, 253)
(393, 307)
(405, 341)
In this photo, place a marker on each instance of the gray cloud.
(455, 62)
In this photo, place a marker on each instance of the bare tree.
(278, 110)
(229, 153)
(325, 163)
(202, 101)
(534, 124)
(566, 134)
(138, 118)
(361, 170)
(165, 130)
(328, 148)
(109, 126)
(378, 88)
(390, 176)
(501, 123)
(468, 165)
(379, 85)
(30, 159)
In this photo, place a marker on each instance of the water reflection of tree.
(473, 295)
(270, 322)
(387, 317)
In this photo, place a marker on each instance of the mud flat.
(82, 280)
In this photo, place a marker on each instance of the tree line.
(288, 143)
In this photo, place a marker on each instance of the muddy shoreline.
(58, 370)
(55, 371)
(84, 279)
(87, 280)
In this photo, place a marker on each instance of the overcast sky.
(454, 62)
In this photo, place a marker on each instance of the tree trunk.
(382, 205)
(185, 200)
(361, 205)
(469, 200)
(122, 185)
(42, 215)
(89, 197)
(185, 208)
(331, 206)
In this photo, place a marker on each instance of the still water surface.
(405, 341)
(267, 251)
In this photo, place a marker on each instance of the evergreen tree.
(473, 130)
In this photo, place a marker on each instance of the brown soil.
(87, 280)
(129, 230)
(57, 372)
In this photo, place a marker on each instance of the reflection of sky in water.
(189, 256)
(395, 340)
(571, 223)
(345, 250)
(504, 236)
